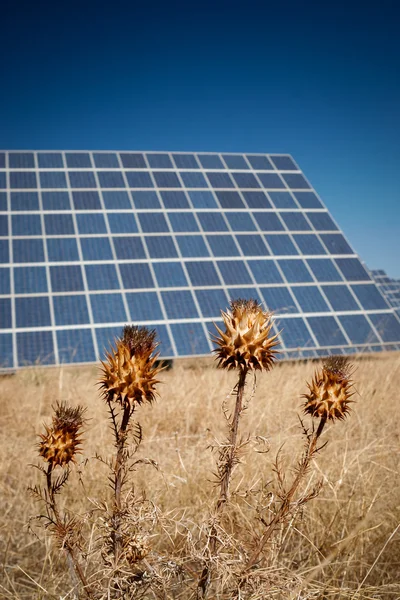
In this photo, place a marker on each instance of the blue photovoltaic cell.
(190, 339)
(202, 273)
(108, 308)
(294, 333)
(252, 245)
(170, 274)
(358, 329)
(50, 160)
(55, 201)
(192, 246)
(111, 179)
(35, 347)
(96, 248)
(234, 272)
(210, 161)
(323, 269)
(185, 161)
(21, 160)
(281, 245)
(105, 160)
(327, 331)
(175, 199)
(86, 200)
(279, 299)
(284, 163)
(59, 224)
(265, 271)
(5, 313)
(256, 200)
(139, 179)
(91, 223)
(161, 246)
(116, 200)
(309, 244)
(78, 160)
(133, 160)
(223, 245)
(179, 305)
(295, 181)
(105, 337)
(340, 297)
(75, 346)
(282, 199)
(4, 280)
(387, 326)
(30, 280)
(66, 278)
(102, 277)
(62, 249)
(260, 163)
(352, 269)
(128, 248)
(6, 351)
(70, 310)
(144, 306)
(310, 299)
(211, 302)
(369, 297)
(202, 199)
(295, 271)
(192, 232)
(159, 161)
(136, 275)
(33, 311)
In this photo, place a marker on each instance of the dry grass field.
(345, 543)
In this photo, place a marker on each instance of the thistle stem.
(228, 463)
(285, 504)
(55, 516)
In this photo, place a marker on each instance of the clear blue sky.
(319, 80)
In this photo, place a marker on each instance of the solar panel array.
(90, 241)
(389, 288)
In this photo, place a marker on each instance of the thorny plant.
(222, 562)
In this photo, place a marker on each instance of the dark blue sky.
(318, 80)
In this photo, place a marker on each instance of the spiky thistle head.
(330, 389)
(247, 341)
(62, 439)
(129, 372)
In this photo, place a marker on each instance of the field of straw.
(344, 543)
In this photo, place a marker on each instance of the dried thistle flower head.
(247, 341)
(330, 389)
(61, 441)
(129, 372)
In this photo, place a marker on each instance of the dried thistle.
(330, 390)
(247, 341)
(129, 373)
(62, 439)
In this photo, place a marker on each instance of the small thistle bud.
(129, 373)
(247, 341)
(61, 442)
(330, 390)
(136, 548)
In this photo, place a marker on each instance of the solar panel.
(90, 241)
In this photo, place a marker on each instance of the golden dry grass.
(346, 542)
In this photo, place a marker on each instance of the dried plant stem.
(288, 497)
(121, 433)
(227, 461)
(55, 516)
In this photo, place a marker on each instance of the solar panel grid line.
(12, 290)
(159, 296)
(47, 269)
(83, 272)
(112, 246)
(183, 263)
